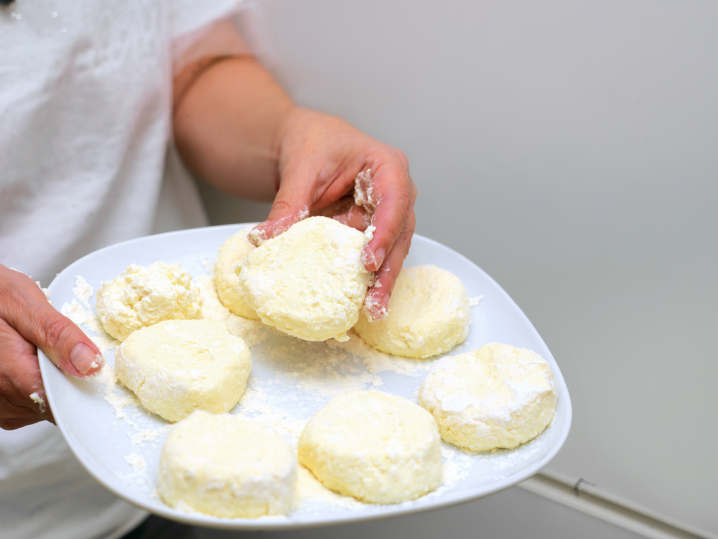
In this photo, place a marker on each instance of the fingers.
(290, 206)
(376, 304)
(22, 395)
(14, 424)
(393, 192)
(346, 212)
(28, 312)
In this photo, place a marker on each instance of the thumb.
(65, 344)
(290, 206)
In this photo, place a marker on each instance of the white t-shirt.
(85, 111)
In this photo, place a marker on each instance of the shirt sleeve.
(189, 16)
(210, 32)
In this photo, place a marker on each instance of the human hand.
(320, 156)
(29, 322)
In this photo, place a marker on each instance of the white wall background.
(570, 149)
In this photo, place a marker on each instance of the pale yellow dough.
(309, 281)
(179, 366)
(141, 296)
(495, 397)
(376, 447)
(429, 314)
(228, 467)
(226, 272)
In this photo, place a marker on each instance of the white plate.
(102, 442)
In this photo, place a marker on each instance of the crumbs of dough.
(136, 461)
(83, 291)
(473, 302)
(148, 435)
(138, 474)
(377, 361)
(37, 399)
(114, 397)
(206, 264)
(253, 405)
(81, 313)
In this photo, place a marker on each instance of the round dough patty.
(179, 366)
(309, 281)
(141, 296)
(226, 277)
(495, 397)
(226, 466)
(376, 447)
(429, 314)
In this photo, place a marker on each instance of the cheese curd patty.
(309, 281)
(376, 447)
(141, 296)
(226, 270)
(429, 314)
(225, 466)
(495, 397)
(179, 366)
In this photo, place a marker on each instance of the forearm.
(227, 120)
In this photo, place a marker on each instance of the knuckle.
(281, 206)
(403, 202)
(403, 159)
(56, 332)
(14, 299)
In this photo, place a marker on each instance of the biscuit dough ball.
(228, 467)
(179, 366)
(141, 296)
(226, 271)
(495, 397)
(310, 281)
(429, 314)
(376, 447)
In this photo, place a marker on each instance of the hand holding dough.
(308, 282)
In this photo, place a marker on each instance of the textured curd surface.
(429, 314)
(226, 466)
(308, 282)
(226, 274)
(179, 366)
(141, 296)
(376, 447)
(497, 396)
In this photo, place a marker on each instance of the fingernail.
(83, 358)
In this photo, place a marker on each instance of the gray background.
(570, 149)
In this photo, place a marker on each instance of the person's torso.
(85, 101)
